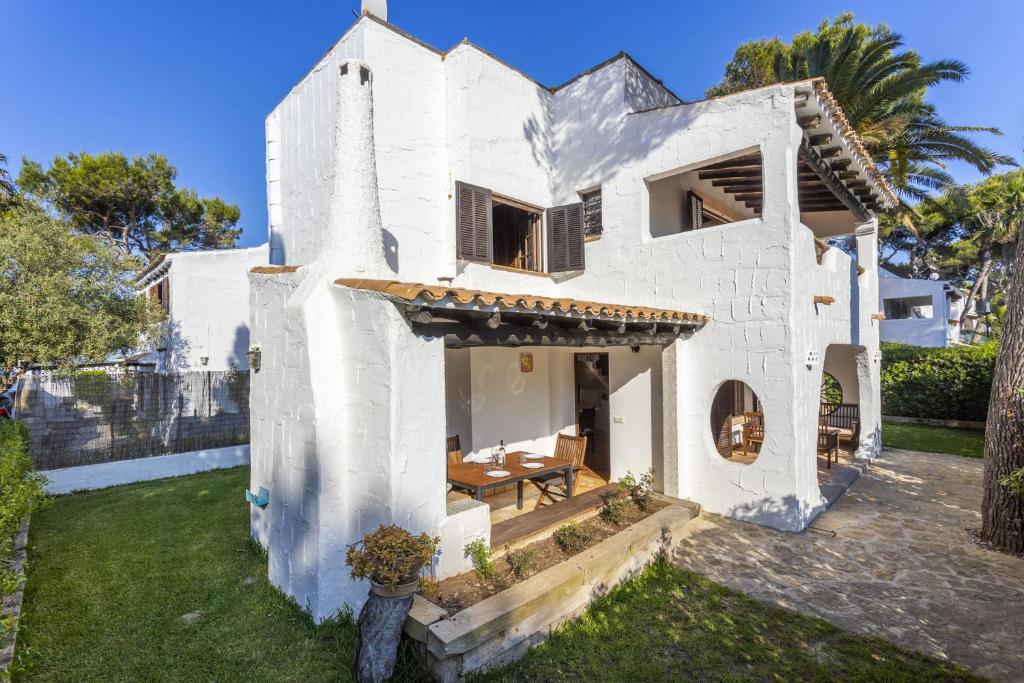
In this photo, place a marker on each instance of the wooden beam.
(824, 300)
(710, 175)
(827, 175)
(418, 314)
(841, 163)
(732, 182)
(818, 140)
(494, 321)
(540, 322)
(747, 160)
(463, 336)
(830, 152)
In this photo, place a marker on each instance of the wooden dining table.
(473, 477)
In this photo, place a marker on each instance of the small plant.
(480, 553)
(390, 556)
(572, 538)
(641, 489)
(1014, 482)
(612, 503)
(429, 586)
(519, 561)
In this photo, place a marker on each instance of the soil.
(459, 592)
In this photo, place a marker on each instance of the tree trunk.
(1003, 513)
(984, 298)
(969, 305)
(380, 630)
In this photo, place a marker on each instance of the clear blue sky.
(194, 80)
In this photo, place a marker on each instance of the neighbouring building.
(453, 244)
(920, 312)
(206, 296)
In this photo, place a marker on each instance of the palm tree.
(881, 90)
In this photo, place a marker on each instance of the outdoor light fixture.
(203, 360)
(812, 357)
(254, 358)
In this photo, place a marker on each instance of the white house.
(206, 296)
(919, 312)
(437, 214)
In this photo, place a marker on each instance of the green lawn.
(114, 573)
(968, 442)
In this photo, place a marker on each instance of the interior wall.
(636, 411)
(458, 396)
(841, 363)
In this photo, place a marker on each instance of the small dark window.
(161, 293)
(592, 225)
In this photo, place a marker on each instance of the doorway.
(592, 410)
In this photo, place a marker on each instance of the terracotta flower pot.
(400, 591)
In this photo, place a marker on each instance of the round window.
(831, 392)
(737, 423)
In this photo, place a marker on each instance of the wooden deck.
(538, 523)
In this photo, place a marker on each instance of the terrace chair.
(753, 431)
(454, 450)
(573, 449)
(828, 442)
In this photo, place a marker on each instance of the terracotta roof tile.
(411, 291)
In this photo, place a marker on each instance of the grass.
(966, 442)
(158, 582)
(674, 625)
(113, 572)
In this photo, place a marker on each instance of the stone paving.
(891, 558)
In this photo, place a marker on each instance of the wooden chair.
(454, 450)
(753, 431)
(573, 449)
(828, 442)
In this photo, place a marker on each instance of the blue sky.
(194, 80)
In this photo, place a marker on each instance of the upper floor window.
(161, 293)
(713, 194)
(592, 223)
(504, 232)
(908, 307)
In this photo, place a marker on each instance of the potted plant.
(391, 558)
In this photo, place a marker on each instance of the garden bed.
(458, 592)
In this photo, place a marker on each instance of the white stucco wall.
(933, 331)
(209, 309)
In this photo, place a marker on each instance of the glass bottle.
(501, 453)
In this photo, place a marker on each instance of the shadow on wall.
(597, 139)
(176, 349)
(391, 249)
(240, 348)
(789, 514)
(278, 252)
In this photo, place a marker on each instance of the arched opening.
(831, 390)
(737, 422)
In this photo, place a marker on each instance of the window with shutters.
(160, 293)
(737, 422)
(709, 196)
(507, 233)
(592, 225)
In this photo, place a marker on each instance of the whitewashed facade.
(919, 312)
(366, 158)
(206, 296)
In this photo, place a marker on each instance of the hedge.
(21, 492)
(941, 383)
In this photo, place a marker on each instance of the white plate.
(478, 460)
(533, 456)
(498, 474)
(533, 465)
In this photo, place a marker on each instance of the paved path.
(892, 558)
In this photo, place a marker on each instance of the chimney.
(378, 8)
(353, 244)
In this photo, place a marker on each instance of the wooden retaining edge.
(955, 424)
(503, 627)
(12, 603)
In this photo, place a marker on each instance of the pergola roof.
(459, 298)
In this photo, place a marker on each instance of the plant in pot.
(391, 558)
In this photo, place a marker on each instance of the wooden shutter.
(694, 212)
(721, 418)
(565, 238)
(473, 223)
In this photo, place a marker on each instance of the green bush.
(21, 492)
(940, 383)
(572, 538)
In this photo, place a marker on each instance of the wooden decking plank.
(548, 517)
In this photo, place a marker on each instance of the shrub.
(640, 490)
(572, 538)
(480, 553)
(429, 586)
(21, 493)
(518, 561)
(943, 384)
(612, 503)
(390, 555)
